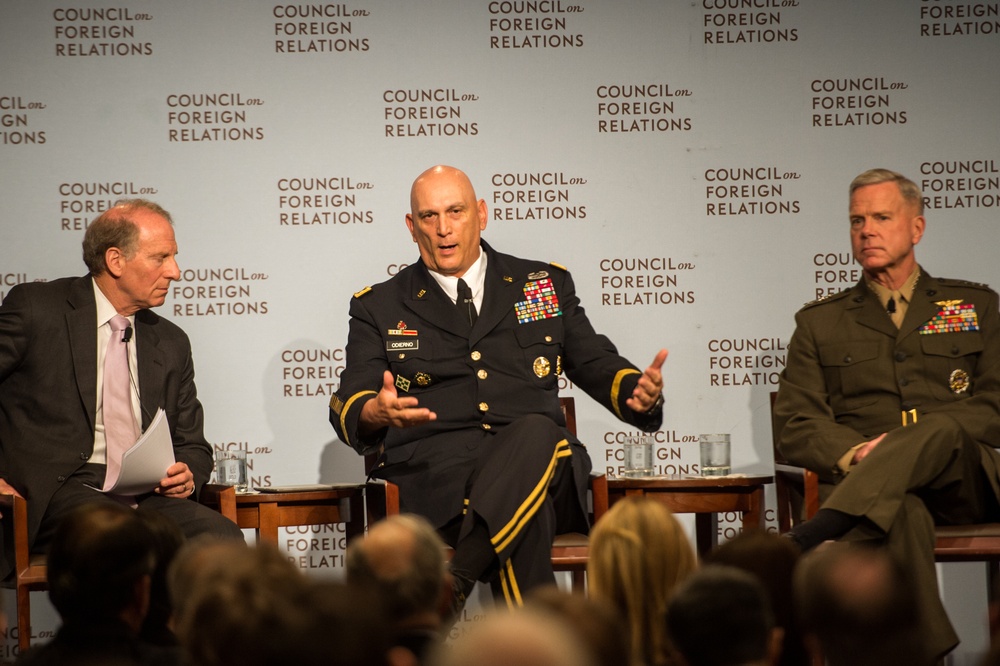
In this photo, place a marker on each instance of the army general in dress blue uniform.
(452, 374)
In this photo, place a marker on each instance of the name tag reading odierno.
(402, 345)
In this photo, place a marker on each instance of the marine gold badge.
(959, 381)
(541, 366)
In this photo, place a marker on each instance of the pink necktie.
(119, 422)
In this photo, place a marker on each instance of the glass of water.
(231, 469)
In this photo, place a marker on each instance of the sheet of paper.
(147, 461)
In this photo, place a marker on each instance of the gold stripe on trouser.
(530, 505)
(508, 581)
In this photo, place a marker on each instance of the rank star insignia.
(541, 366)
(402, 383)
(958, 382)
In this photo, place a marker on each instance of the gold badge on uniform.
(402, 383)
(958, 381)
(541, 366)
(422, 379)
(538, 276)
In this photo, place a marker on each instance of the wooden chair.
(30, 570)
(797, 494)
(569, 551)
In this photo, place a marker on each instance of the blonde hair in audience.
(639, 553)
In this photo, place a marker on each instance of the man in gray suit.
(892, 396)
(52, 340)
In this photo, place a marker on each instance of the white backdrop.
(687, 161)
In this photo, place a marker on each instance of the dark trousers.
(193, 518)
(525, 489)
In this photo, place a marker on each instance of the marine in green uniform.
(892, 395)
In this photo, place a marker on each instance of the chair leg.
(23, 619)
(579, 582)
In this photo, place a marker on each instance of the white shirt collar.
(475, 277)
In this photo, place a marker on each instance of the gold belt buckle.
(912, 413)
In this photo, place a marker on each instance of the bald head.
(445, 220)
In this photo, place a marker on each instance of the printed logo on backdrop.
(324, 200)
(218, 292)
(833, 272)
(645, 281)
(854, 102)
(745, 361)
(750, 191)
(959, 20)
(420, 112)
(214, 116)
(80, 201)
(960, 184)
(534, 24)
(8, 280)
(541, 195)
(673, 452)
(319, 28)
(101, 31)
(315, 547)
(761, 22)
(309, 372)
(19, 120)
(652, 107)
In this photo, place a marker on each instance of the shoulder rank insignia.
(359, 294)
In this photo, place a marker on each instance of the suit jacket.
(851, 373)
(48, 387)
(476, 380)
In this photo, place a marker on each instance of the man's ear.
(114, 261)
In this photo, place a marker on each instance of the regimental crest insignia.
(402, 383)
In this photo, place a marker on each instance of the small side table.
(265, 512)
(705, 497)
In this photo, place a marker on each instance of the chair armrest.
(598, 496)
(221, 498)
